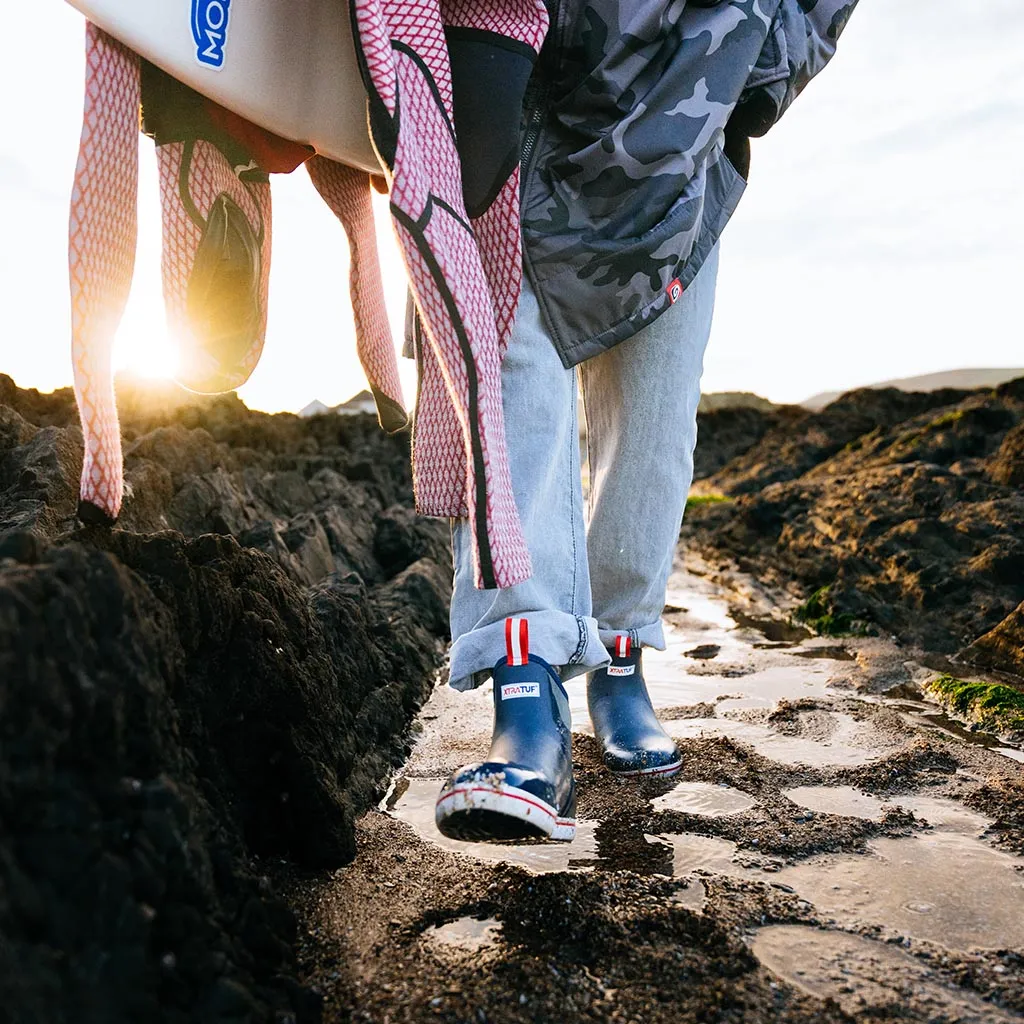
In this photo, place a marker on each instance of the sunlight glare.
(150, 355)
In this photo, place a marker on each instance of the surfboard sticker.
(210, 31)
(289, 66)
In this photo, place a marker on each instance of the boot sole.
(665, 770)
(496, 814)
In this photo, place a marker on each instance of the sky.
(881, 236)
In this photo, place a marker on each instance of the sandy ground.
(835, 849)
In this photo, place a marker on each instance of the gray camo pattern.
(628, 186)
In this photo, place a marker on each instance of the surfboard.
(286, 65)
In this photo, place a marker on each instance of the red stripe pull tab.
(517, 641)
(623, 645)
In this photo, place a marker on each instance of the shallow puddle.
(866, 976)
(415, 806)
(766, 687)
(707, 854)
(948, 888)
(704, 798)
(696, 604)
(943, 885)
(928, 716)
(670, 685)
(944, 814)
(849, 744)
(693, 897)
(466, 933)
(844, 800)
(939, 812)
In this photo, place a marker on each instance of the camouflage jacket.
(637, 127)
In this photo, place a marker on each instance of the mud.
(866, 977)
(826, 854)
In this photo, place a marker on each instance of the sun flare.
(153, 356)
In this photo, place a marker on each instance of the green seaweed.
(992, 705)
(819, 613)
(702, 500)
(910, 440)
(863, 440)
(947, 419)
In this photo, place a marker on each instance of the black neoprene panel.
(489, 76)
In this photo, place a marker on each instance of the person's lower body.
(598, 589)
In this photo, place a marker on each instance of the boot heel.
(483, 810)
(564, 831)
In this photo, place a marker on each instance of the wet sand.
(828, 853)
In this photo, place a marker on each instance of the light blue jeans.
(606, 574)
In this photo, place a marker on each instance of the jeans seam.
(581, 643)
(581, 376)
(574, 430)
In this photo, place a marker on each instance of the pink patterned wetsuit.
(464, 267)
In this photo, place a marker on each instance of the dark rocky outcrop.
(808, 439)
(1001, 647)
(725, 434)
(226, 677)
(909, 508)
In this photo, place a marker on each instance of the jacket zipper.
(533, 130)
(541, 93)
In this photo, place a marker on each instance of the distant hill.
(363, 402)
(315, 408)
(733, 400)
(969, 378)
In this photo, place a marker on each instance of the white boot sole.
(509, 802)
(665, 769)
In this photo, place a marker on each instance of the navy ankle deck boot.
(524, 790)
(633, 741)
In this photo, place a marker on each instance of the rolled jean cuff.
(651, 635)
(569, 642)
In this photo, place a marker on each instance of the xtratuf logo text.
(509, 691)
(210, 31)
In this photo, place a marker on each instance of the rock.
(992, 706)
(401, 538)
(724, 433)
(1006, 467)
(307, 542)
(190, 689)
(37, 470)
(1001, 648)
(806, 440)
(903, 505)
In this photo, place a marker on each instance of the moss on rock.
(820, 614)
(993, 706)
(701, 500)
